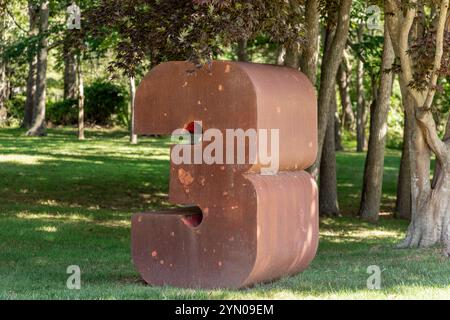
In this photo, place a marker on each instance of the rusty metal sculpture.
(240, 227)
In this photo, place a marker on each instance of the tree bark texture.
(79, 73)
(291, 59)
(374, 165)
(70, 73)
(337, 133)
(33, 13)
(3, 78)
(344, 81)
(332, 58)
(310, 51)
(133, 136)
(403, 202)
(360, 102)
(430, 205)
(38, 122)
(328, 197)
(242, 54)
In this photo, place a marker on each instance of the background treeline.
(381, 69)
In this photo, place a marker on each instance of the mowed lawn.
(64, 202)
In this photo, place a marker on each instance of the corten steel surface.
(239, 227)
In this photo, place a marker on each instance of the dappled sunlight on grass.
(49, 229)
(344, 236)
(50, 217)
(23, 159)
(66, 202)
(343, 230)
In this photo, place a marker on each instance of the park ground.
(68, 202)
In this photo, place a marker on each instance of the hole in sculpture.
(196, 131)
(194, 218)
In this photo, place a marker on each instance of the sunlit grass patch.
(23, 159)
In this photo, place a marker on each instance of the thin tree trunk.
(337, 133)
(280, 55)
(3, 94)
(343, 80)
(310, 52)
(80, 99)
(360, 103)
(373, 173)
(242, 50)
(133, 136)
(3, 78)
(328, 198)
(33, 13)
(38, 123)
(403, 202)
(291, 58)
(70, 72)
(332, 58)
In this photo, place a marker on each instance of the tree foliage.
(185, 29)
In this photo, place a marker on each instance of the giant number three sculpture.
(239, 227)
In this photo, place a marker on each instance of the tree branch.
(426, 122)
(15, 22)
(406, 25)
(440, 33)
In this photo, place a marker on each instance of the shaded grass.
(350, 167)
(65, 202)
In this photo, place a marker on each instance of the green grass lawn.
(65, 202)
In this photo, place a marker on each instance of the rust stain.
(185, 177)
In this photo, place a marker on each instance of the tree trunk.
(70, 72)
(332, 58)
(403, 202)
(430, 220)
(38, 123)
(430, 205)
(360, 103)
(3, 78)
(242, 50)
(343, 80)
(328, 198)
(337, 133)
(373, 172)
(133, 136)
(310, 52)
(280, 55)
(79, 72)
(291, 58)
(3, 93)
(33, 13)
